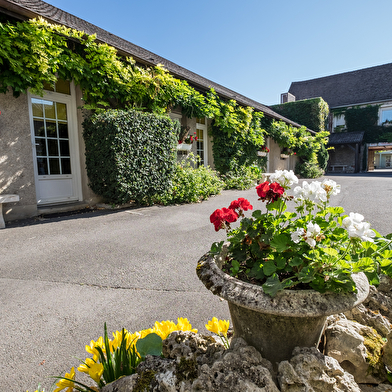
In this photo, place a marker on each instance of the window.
(386, 116)
(61, 86)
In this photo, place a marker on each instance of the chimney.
(287, 97)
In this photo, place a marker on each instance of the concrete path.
(62, 278)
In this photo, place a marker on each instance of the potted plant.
(283, 272)
(185, 140)
(263, 151)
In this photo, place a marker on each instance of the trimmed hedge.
(130, 155)
(312, 113)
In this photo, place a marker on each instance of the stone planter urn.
(275, 326)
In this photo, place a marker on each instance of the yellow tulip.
(84, 367)
(95, 372)
(62, 383)
(218, 326)
(164, 329)
(184, 325)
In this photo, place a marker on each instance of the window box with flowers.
(283, 273)
(185, 140)
(263, 151)
(286, 153)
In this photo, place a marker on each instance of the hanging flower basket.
(284, 156)
(184, 147)
(261, 153)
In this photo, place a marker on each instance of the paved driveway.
(62, 278)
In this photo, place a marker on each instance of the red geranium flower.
(241, 204)
(270, 192)
(221, 218)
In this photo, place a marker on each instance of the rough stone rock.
(370, 318)
(310, 371)
(240, 369)
(385, 285)
(379, 301)
(387, 352)
(203, 348)
(345, 341)
(376, 388)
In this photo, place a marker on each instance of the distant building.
(361, 88)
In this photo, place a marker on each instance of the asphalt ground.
(62, 277)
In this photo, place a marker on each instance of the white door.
(55, 148)
(201, 144)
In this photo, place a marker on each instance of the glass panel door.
(51, 137)
(201, 144)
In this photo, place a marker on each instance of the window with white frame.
(386, 116)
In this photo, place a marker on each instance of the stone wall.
(16, 157)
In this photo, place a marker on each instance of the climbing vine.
(36, 52)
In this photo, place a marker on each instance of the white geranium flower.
(313, 229)
(311, 242)
(361, 230)
(352, 220)
(313, 192)
(297, 235)
(331, 187)
(284, 178)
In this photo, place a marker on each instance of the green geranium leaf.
(329, 251)
(363, 264)
(296, 261)
(280, 242)
(269, 267)
(216, 248)
(280, 262)
(272, 285)
(150, 345)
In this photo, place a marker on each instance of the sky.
(255, 47)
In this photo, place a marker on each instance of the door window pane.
(49, 109)
(40, 146)
(63, 130)
(66, 165)
(42, 165)
(51, 129)
(61, 111)
(54, 165)
(39, 128)
(64, 148)
(38, 110)
(63, 87)
(53, 148)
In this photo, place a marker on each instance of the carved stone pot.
(275, 326)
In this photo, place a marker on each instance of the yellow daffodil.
(63, 383)
(220, 327)
(84, 367)
(164, 329)
(91, 349)
(184, 325)
(95, 371)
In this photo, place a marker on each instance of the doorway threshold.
(49, 209)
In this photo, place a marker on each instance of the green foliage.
(360, 119)
(365, 119)
(190, 184)
(317, 246)
(150, 345)
(313, 113)
(129, 154)
(308, 170)
(242, 177)
(36, 52)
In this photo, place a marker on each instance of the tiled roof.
(367, 85)
(33, 8)
(345, 138)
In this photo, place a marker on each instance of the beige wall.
(275, 162)
(88, 195)
(16, 157)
